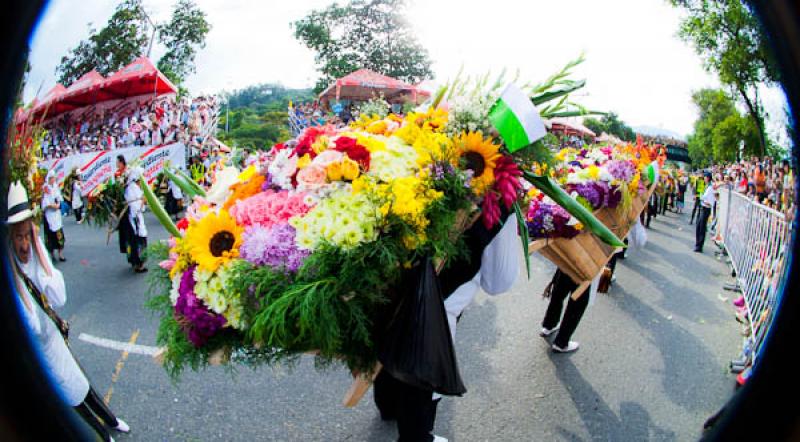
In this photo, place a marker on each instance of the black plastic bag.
(416, 347)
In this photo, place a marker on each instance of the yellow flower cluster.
(344, 170)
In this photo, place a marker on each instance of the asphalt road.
(652, 363)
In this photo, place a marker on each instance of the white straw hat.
(19, 208)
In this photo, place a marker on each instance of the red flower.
(278, 147)
(308, 137)
(490, 210)
(183, 224)
(507, 183)
(356, 152)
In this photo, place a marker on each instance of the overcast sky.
(635, 66)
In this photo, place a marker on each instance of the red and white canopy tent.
(567, 127)
(138, 78)
(365, 84)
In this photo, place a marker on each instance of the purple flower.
(200, 322)
(274, 247)
(621, 170)
(548, 220)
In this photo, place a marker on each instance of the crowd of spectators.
(305, 115)
(765, 180)
(129, 123)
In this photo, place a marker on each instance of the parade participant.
(681, 196)
(40, 288)
(133, 231)
(494, 266)
(559, 288)
(707, 201)
(174, 199)
(77, 199)
(53, 224)
(121, 168)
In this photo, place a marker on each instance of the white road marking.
(118, 345)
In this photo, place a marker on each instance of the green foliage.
(612, 125)
(128, 35)
(124, 38)
(183, 36)
(728, 37)
(370, 34)
(719, 129)
(258, 117)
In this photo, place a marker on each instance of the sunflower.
(214, 240)
(479, 155)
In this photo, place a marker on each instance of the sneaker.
(572, 346)
(545, 332)
(122, 427)
(439, 438)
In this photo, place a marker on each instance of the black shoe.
(698, 250)
(140, 270)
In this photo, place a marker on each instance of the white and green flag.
(516, 119)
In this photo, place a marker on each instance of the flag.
(652, 172)
(516, 119)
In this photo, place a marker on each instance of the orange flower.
(244, 190)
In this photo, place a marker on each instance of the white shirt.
(57, 359)
(175, 190)
(708, 199)
(77, 200)
(498, 272)
(53, 216)
(134, 196)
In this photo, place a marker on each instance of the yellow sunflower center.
(475, 162)
(221, 242)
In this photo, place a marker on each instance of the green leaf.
(158, 209)
(523, 233)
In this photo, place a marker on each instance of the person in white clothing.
(133, 229)
(77, 199)
(40, 287)
(174, 199)
(53, 225)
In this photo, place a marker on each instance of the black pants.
(695, 209)
(95, 412)
(652, 206)
(562, 287)
(78, 213)
(412, 407)
(702, 226)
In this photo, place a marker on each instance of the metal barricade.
(756, 238)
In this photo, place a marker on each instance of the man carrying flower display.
(493, 262)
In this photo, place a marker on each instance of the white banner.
(97, 167)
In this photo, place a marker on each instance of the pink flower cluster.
(269, 208)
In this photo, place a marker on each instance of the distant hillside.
(258, 117)
(657, 131)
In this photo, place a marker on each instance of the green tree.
(127, 36)
(729, 38)
(612, 125)
(124, 38)
(720, 129)
(370, 34)
(183, 36)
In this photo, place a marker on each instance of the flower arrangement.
(301, 251)
(597, 177)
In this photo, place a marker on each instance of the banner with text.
(97, 167)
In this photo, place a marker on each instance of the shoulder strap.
(41, 299)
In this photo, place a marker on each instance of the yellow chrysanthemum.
(480, 155)
(364, 121)
(214, 240)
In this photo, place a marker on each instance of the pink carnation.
(269, 208)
